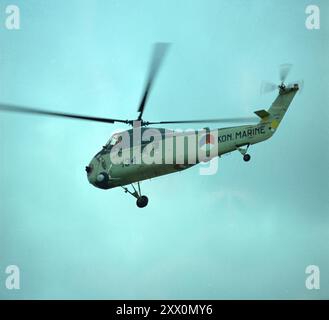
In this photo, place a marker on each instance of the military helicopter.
(118, 163)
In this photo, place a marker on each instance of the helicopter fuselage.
(105, 172)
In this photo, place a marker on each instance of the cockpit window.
(114, 140)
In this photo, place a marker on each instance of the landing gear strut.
(246, 156)
(142, 201)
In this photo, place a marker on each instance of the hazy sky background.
(247, 232)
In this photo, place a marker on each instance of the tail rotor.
(284, 70)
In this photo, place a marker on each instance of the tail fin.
(279, 107)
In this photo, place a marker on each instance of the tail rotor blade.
(267, 87)
(284, 71)
(300, 85)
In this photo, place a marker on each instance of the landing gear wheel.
(246, 157)
(142, 201)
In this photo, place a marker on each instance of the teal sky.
(247, 232)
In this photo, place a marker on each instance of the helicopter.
(120, 163)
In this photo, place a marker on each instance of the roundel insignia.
(207, 140)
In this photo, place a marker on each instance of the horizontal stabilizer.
(262, 114)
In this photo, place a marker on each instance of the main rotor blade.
(284, 71)
(19, 109)
(159, 52)
(223, 120)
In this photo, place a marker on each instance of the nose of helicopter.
(99, 179)
(89, 169)
(90, 173)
